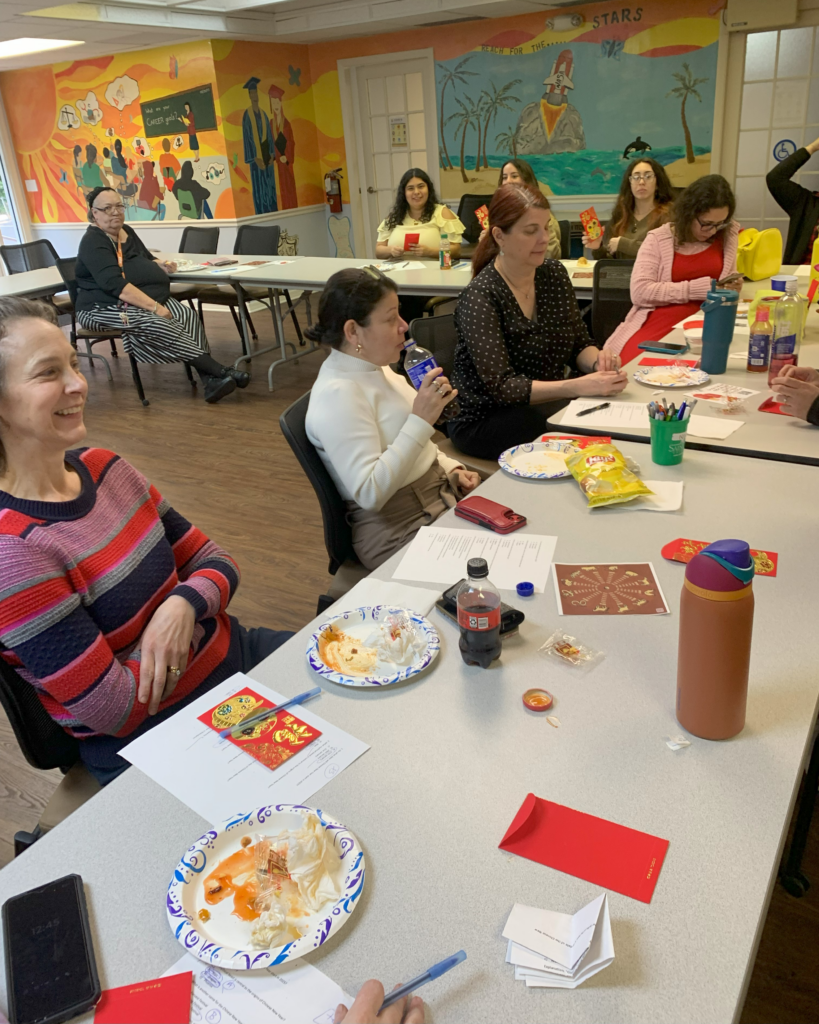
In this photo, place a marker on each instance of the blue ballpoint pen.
(267, 712)
(434, 972)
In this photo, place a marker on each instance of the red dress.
(661, 320)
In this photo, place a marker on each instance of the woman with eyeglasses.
(677, 262)
(121, 286)
(371, 429)
(644, 203)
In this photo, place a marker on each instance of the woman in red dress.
(677, 262)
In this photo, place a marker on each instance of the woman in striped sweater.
(112, 605)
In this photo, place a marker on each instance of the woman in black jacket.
(800, 204)
(122, 286)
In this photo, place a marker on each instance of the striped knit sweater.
(79, 582)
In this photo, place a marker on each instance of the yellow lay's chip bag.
(603, 475)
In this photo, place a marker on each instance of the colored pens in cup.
(434, 972)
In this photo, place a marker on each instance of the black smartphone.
(51, 972)
(663, 346)
(511, 618)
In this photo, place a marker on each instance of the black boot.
(242, 379)
(216, 388)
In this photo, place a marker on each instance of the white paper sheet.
(216, 779)
(294, 993)
(667, 497)
(619, 415)
(579, 945)
(438, 555)
(371, 591)
(706, 426)
(723, 390)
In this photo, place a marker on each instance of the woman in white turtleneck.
(371, 429)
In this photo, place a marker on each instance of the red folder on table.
(587, 847)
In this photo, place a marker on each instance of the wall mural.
(579, 102)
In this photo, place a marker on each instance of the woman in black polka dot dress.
(519, 327)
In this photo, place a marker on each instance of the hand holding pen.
(365, 1009)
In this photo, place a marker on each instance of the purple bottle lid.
(707, 572)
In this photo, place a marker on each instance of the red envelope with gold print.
(482, 215)
(272, 741)
(681, 550)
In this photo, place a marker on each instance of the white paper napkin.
(704, 426)
(372, 591)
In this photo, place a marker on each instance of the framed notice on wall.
(398, 131)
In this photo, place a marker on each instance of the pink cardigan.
(651, 284)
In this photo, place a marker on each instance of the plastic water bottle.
(787, 332)
(759, 344)
(714, 654)
(479, 616)
(418, 362)
(444, 254)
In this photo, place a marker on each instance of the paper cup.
(693, 335)
(667, 441)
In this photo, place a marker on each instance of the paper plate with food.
(676, 376)
(373, 646)
(265, 887)
(540, 460)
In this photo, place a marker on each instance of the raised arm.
(786, 192)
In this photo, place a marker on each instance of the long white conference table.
(454, 754)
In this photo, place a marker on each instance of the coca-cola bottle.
(479, 616)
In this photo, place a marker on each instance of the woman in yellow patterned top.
(416, 211)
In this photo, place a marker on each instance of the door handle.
(371, 190)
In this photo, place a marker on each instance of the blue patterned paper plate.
(224, 940)
(540, 460)
(368, 617)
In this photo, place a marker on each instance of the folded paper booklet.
(553, 950)
(599, 851)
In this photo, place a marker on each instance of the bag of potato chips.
(603, 475)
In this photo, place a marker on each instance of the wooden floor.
(228, 469)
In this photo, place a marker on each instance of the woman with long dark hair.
(519, 328)
(677, 262)
(515, 172)
(416, 211)
(644, 203)
(371, 428)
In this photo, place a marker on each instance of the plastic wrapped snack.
(603, 475)
(569, 650)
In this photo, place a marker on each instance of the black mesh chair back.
(199, 240)
(466, 214)
(437, 334)
(43, 743)
(338, 537)
(68, 271)
(257, 240)
(611, 297)
(29, 256)
(565, 239)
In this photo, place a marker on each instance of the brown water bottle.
(716, 622)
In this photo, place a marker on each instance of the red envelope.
(580, 442)
(411, 238)
(596, 850)
(683, 550)
(651, 361)
(161, 1001)
(482, 215)
(769, 405)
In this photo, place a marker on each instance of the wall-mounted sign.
(783, 149)
(398, 131)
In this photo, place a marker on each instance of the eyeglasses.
(648, 176)
(706, 225)
(109, 210)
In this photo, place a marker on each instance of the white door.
(395, 130)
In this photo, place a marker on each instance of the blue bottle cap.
(525, 589)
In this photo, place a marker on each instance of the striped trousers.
(150, 338)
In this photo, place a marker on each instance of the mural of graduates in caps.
(577, 99)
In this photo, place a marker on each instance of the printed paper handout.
(624, 588)
(553, 950)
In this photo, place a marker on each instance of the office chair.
(251, 240)
(68, 269)
(338, 536)
(45, 746)
(469, 203)
(611, 297)
(791, 876)
(565, 239)
(438, 335)
(35, 255)
(200, 241)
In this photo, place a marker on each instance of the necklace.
(515, 288)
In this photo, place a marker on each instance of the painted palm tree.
(465, 116)
(452, 76)
(508, 141)
(687, 87)
(493, 100)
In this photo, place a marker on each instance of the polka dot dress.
(500, 352)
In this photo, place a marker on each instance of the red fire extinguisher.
(332, 189)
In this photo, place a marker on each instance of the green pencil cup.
(667, 441)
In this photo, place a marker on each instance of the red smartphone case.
(490, 514)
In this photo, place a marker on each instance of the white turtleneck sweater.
(360, 421)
